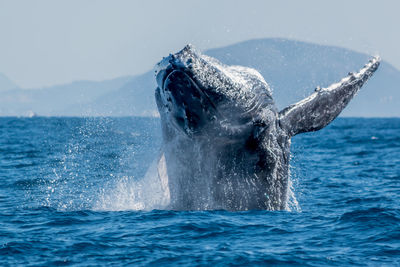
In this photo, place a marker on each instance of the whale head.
(200, 95)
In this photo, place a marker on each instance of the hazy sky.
(46, 42)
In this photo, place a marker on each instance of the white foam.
(148, 193)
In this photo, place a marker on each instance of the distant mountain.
(292, 68)
(136, 97)
(6, 83)
(61, 100)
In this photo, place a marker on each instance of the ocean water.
(73, 192)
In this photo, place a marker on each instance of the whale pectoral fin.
(319, 109)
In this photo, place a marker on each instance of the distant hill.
(136, 97)
(292, 68)
(61, 100)
(6, 83)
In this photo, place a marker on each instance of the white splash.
(149, 193)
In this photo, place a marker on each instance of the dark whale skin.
(225, 144)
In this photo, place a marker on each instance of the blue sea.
(73, 192)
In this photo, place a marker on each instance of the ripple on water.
(53, 171)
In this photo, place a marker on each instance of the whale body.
(225, 144)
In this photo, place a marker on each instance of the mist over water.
(81, 190)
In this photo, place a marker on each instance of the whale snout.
(181, 60)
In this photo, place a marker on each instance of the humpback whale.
(225, 144)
